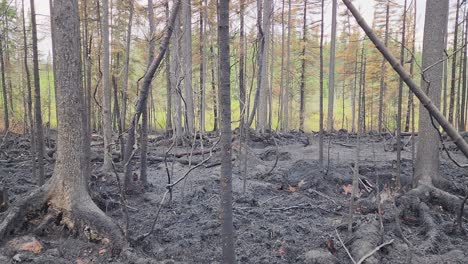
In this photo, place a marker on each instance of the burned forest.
(234, 131)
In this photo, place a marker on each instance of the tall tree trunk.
(454, 67)
(213, 89)
(303, 54)
(427, 156)
(187, 65)
(413, 49)
(462, 124)
(6, 122)
(322, 13)
(242, 93)
(281, 95)
(68, 186)
(37, 100)
(144, 115)
(383, 67)
(286, 104)
(128, 42)
(331, 77)
(175, 83)
(227, 228)
(400, 99)
(353, 95)
(262, 115)
(202, 66)
(106, 105)
(168, 81)
(29, 92)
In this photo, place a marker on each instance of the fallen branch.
(277, 157)
(373, 251)
(345, 248)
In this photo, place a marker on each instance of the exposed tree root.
(83, 219)
(367, 238)
(417, 201)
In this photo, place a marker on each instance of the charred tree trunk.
(37, 100)
(400, 99)
(382, 71)
(227, 228)
(322, 13)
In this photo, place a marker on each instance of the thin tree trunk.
(187, 65)
(454, 67)
(413, 49)
(213, 89)
(202, 67)
(400, 99)
(168, 81)
(462, 125)
(286, 104)
(322, 13)
(126, 68)
(37, 100)
(302, 91)
(144, 116)
(29, 92)
(331, 77)
(227, 228)
(281, 95)
(6, 122)
(106, 106)
(383, 67)
(242, 93)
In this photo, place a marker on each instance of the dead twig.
(324, 196)
(345, 248)
(169, 189)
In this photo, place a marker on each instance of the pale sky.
(365, 6)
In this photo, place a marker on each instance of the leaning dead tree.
(64, 199)
(143, 98)
(420, 94)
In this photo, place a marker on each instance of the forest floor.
(295, 214)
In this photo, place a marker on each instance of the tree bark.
(227, 228)
(37, 100)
